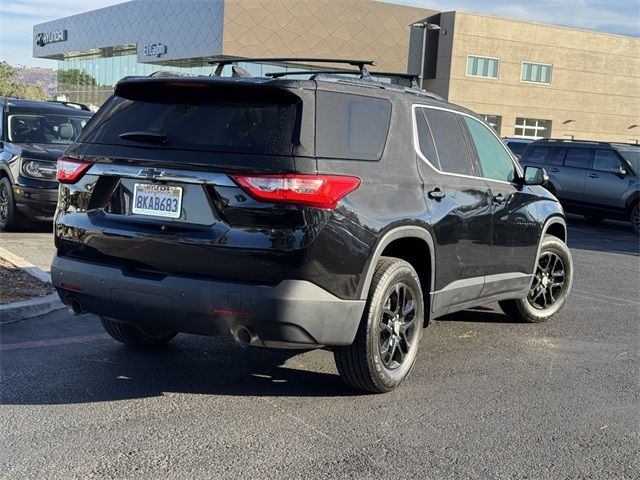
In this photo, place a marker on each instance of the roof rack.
(406, 76)
(221, 62)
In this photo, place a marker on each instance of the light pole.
(424, 25)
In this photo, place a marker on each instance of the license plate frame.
(168, 204)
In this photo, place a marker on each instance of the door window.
(494, 159)
(425, 140)
(579, 158)
(538, 155)
(606, 161)
(450, 142)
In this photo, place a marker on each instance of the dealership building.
(527, 79)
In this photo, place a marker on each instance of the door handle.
(593, 175)
(499, 199)
(436, 193)
(554, 170)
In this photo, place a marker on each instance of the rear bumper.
(294, 313)
(36, 203)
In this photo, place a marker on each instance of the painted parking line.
(53, 342)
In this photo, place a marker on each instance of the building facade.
(538, 81)
(527, 79)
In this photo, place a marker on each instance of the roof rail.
(405, 76)
(221, 62)
(80, 106)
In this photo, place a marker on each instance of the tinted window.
(450, 143)
(579, 157)
(495, 160)
(517, 147)
(632, 155)
(538, 155)
(43, 128)
(557, 156)
(607, 161)
(227, 125)
(351, 126)
(425, 141)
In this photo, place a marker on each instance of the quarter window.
(535, 72)
(425, 140)
(449, 139)
(495, 160)
(538, 155)
(482, 66)
(579, 158)
(534, 128)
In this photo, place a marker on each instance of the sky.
(17, 17)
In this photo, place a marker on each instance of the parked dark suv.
(337, 212)
(596, 179)
(33, 135)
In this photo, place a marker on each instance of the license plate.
(157, 200)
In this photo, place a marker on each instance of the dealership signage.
(154, 50)
(45, 38)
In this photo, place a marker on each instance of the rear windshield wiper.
(150, 137)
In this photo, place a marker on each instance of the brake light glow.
(320, 191)
(70, 170)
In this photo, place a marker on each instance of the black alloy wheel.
(8, 213)
(548, 281)
(635, 218)
(397, 326)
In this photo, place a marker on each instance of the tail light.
(320, 191)
(70, 170)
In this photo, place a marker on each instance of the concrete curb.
(34, 307)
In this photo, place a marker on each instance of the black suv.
(596, 179)
(33, 135)
(330, 211)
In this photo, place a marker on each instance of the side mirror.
(622, 172)
(535, 176)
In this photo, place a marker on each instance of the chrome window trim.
(416, 144)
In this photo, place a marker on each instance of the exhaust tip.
(244, 336)
(75, 306)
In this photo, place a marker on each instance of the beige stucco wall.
(361, 29)
(595, 79)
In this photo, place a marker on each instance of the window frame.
(416, 144)
(537, 128)
(550, 65)
(466, 67)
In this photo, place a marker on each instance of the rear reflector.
(320, 191)
(71, 170)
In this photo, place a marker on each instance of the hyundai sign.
(46, 38)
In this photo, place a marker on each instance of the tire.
(385, 348)
(134, 335)
(9, 216)
(635, 218)
(546, 296)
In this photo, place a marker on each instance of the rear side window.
(233, 124)
(579, 158)
(495, 160)
(351, 126)
(557, 156)
(450, 142)
(538, 155)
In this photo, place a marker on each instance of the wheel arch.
(390, 244)
(556, 226)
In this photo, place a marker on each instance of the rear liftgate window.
(217, 120)
(351, 126)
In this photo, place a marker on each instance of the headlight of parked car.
(39, 169)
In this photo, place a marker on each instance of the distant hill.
(47, 78)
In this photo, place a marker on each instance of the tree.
(75, 76)
(9, 87)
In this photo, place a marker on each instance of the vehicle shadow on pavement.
(107, 371)
(606, 236)
(479, 315)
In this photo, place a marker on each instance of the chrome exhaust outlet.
(244, 336)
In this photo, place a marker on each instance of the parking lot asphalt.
(488, 398)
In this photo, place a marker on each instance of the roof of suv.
(580, 143)
(8, 102)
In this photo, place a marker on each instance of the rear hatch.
(157, 193)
